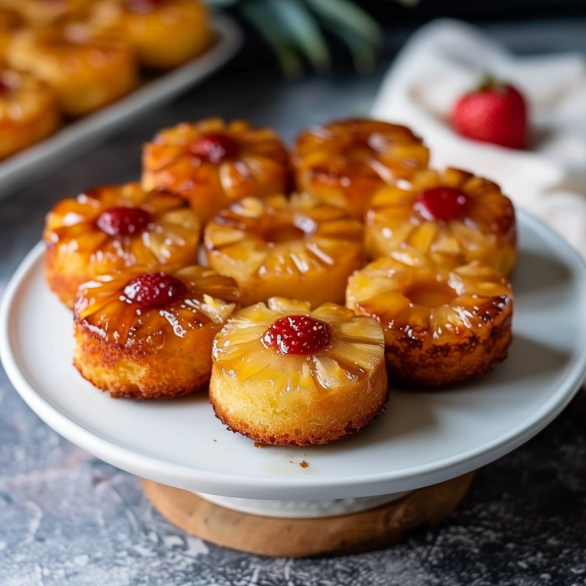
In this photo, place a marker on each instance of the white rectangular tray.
(84, 134)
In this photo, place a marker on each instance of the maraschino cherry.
(154, 289)
(442, 203)
(122, 221)
(297, 334)
(214, 147)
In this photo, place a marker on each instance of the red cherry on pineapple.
(297, 334)
(214, 147)
(154, 289)
(4, 87)
(442, 203)
(495, 113)
(123, 221)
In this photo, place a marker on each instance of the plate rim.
(295, 488)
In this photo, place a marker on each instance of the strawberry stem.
(489, 81)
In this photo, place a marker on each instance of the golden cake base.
(296, 538)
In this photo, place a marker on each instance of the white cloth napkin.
(446, 58)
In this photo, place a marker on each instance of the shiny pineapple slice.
(280, 247)
(212, 163)
(113, 227)
(328, 386)
(453, 215)
(149, 335)
(345, 162)
(441, 326)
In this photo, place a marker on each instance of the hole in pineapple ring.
(430, 293)
(279, 230)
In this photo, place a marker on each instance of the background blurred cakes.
(87, 67)
(90, 54)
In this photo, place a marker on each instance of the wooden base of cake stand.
(353, 533)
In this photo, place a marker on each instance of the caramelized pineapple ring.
(113, 227)
(150, 335)
(441, 326)
(88, 68)
(345, 162)
(211, 163)
(28, 111)
(453, 215)
(277, 247)
(164, 33)
(286, 375)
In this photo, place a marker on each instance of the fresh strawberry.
(495, 112)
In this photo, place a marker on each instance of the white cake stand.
(423, 438)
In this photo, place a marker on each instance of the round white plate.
(421, 439)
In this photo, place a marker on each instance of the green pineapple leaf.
(294, 28)
(304, 31)
(363, 52)
(264, 21)
(348, 17)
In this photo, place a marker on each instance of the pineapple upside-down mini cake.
(286, 375)
(441, 326)
(113, 227)
(280, 247)
(86, 66)
(149, 335)
(28, 111)
(452, 215)
(212, 163)
(164, 33)
(345, 162)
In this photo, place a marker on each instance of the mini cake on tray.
(149, 334)
(28, 111)
(113, 227)
(452, 215)
(279, 247)
(164, 33)
(211, 163)
(441, 325)
(286, 375)
(345, 162)
(87, 67)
